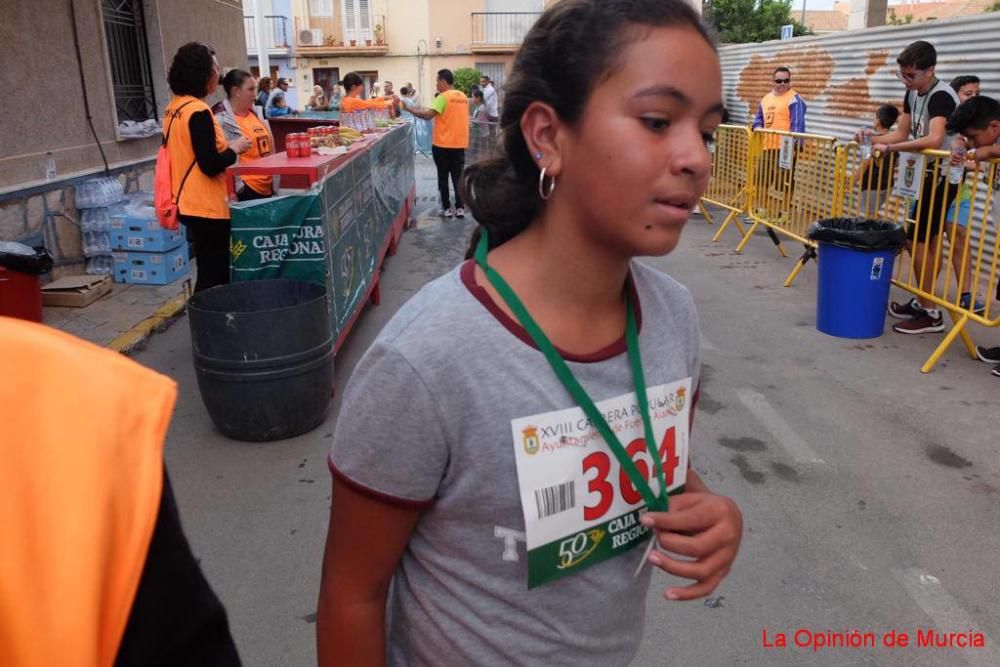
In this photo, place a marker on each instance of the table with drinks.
(344, 200)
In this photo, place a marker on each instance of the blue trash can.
(855, 271)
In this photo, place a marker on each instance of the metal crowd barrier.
(729, 187)
(962, 257)
(794, 183)
(786, 181)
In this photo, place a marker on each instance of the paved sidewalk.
(125, 319)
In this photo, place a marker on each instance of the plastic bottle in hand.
(865, 143)
(956, 167)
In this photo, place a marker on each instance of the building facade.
(279, 42)
(407, 41)
(94, 78)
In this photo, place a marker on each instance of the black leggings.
(449, 161)
(211, 250)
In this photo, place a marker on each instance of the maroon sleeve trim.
(468, 277)
(406, 503)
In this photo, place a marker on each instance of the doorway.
(326, 78)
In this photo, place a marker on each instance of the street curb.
(135, 338)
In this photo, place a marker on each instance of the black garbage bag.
(25, 259)
(858, 233)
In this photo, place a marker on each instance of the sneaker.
(907, 310)
(928, 321)
(459, 212)
(966, 299)
(996, 371)
(448, 213)
(990, 355)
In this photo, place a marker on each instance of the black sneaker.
(990, 355)
(996, 371)
(906, 310)
(928, 321)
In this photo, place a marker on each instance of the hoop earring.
(541, 185)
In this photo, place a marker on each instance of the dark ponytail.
(574, 46)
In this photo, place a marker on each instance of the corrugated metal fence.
(845, 76)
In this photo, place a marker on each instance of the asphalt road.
(871, 492)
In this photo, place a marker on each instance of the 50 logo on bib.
(580, 507)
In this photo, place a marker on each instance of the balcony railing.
(275, 33)
(328, 34)
(501, 29)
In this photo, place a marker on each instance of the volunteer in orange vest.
(781, 109)
(238, 119)
(352, 101)
(94, 568)
(199, 155)
(450, 113)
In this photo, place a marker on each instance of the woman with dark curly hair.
(199, 155)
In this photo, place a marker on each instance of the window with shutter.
(357, 20)
(321, 8)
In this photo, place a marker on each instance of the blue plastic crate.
(144, 235)
(151, 268)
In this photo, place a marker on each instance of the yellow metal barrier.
(794, 183)
(728, 188)
(786, 181)
(945, 234)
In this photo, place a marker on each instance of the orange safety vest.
(203, 196)
(80, 485)
(777, 116)
(261, 145)
(451, 128)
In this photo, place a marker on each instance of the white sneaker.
(449, 213)
(459, 212)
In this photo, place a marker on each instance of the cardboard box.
(144, 235)
(151, 268)
(76, 291)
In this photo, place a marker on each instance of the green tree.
(741, 21)
(465, 78)
(893, 19)
(995, 7)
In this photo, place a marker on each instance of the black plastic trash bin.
(263, 354)
(855, 259)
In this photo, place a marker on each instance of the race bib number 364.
(579, 506)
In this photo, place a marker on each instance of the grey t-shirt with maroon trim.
(426, 421)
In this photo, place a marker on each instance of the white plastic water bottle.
(49, 167)
(866, 143)
(956, 169)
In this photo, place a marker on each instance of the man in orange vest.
(450, 113)
(781, 109)
(94, 568)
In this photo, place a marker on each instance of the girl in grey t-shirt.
(477, 516)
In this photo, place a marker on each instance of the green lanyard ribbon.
(579, 394)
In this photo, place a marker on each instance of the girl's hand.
(704, 528)
(880, 149)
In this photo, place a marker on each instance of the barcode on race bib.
(555, 499)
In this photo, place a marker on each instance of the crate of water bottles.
(134, 227)
(95, 199)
